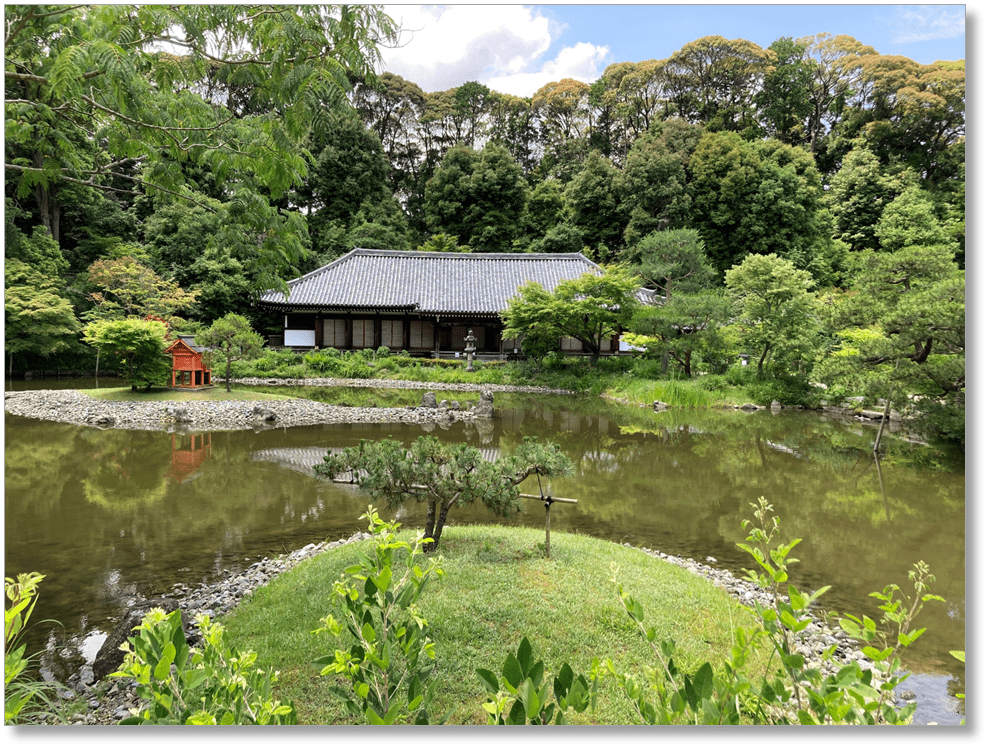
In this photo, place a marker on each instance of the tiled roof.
(189, 341)
(427, 282)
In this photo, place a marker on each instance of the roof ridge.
(470, 255)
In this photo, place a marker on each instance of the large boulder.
(485, 406)
(262, 414)
(110, 657)
(428, 400)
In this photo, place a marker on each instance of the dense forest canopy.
(224, 149)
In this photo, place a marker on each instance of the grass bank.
(498, 588)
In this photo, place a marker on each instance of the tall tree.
(777, 311)
(478, 197)
(763, 197)
(712, 80)
(82, 75)
(858, 194)
(902, 327)
(563, 109)
(653, 182)
(594, 207)
(514, 125)
(38, 320)
(590, 308)
(127, 287)
(784, 98)
(831, 84)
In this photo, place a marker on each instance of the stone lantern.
(469, 349)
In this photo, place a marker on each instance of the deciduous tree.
(590, 308)
(138, 345)
(775, 306)
(100, 74)
(37, 319)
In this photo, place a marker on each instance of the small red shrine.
(188, 369)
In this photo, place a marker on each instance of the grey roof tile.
(428, 282)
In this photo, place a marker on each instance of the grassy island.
(498, 588)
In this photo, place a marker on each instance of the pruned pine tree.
(443, 476)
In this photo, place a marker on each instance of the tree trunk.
(228, 375)
(430, 523)
(765, 353)
(440, 522)
(47, 203)
(686, 363)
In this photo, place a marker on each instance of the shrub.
(212, 685)
(790, 390)
(20, 691)
(391, 664)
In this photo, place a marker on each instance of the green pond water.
(110, 515)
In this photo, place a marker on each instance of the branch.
(90, 183)
(11, 75)
(163, 128)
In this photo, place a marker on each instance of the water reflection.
(110, 515)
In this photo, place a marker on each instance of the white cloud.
(921, 23)
(583, 62)
(500, 46)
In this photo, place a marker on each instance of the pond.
(108, 515)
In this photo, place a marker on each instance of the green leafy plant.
(521, 696)
(670, 694)
(789, 690)
(212, 685)
(19, 691)
(391, 663)
(895, 626)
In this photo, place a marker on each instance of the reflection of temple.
(302, 459)
(188, 453)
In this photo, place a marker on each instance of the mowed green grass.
(498, 588)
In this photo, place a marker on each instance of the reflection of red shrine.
(188, 453)
(188, 369)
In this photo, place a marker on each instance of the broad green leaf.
(368, 633)
(164, 665)
(516, 716)
(512, 673)
(489, 679)
(525, 656)
(704, 681)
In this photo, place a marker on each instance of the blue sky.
(518, 48)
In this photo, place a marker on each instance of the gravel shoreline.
(74, 407)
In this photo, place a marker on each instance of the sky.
(516, 49)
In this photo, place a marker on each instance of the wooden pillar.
(319, 330)
(349, 332)
(377, 332)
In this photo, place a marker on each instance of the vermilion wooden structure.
(188, 369)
